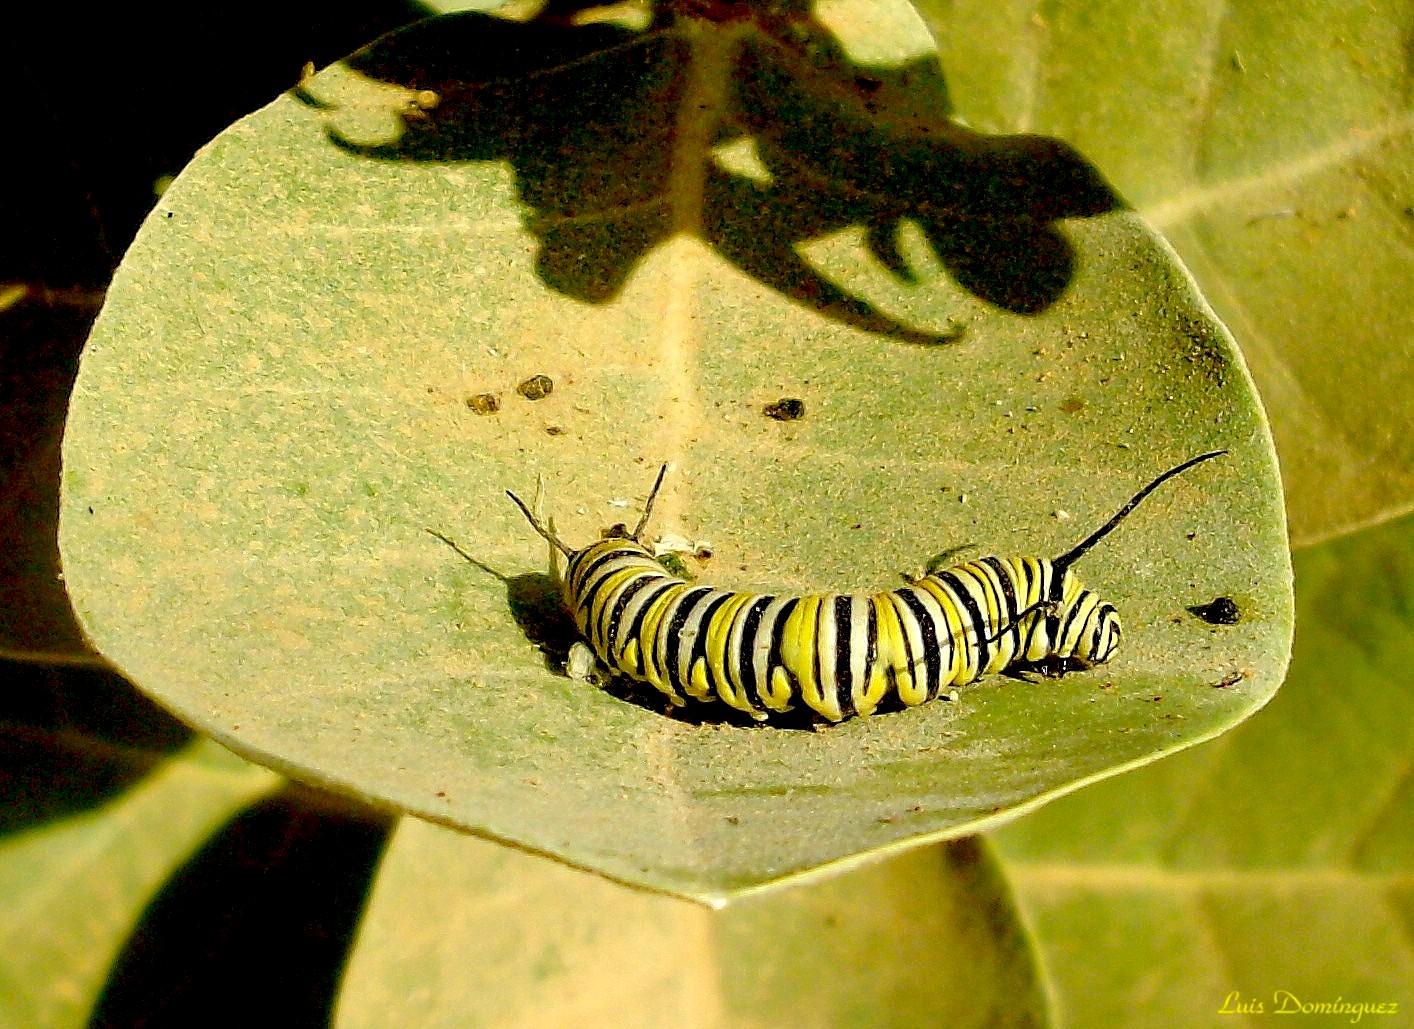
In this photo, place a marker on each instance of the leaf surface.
(677, 227)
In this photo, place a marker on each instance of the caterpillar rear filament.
(840, 654)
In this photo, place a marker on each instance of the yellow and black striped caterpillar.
(840, 654)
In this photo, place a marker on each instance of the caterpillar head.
(1074, 632)
(1081, 630)
(1088, 634)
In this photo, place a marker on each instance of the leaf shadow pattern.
(259, 921)
(616, 140)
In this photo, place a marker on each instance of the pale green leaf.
(274, 407)
(1271, 142)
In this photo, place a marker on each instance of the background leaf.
(1275, 858)
(556, 946)
(74, 886)
(272, 408)
(273, 896)
(1270, 143)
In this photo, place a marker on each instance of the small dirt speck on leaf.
(537, 387)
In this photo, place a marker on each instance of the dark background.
(103, 105)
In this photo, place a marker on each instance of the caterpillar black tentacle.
(840, 655)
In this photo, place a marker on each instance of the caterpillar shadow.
(534, 601)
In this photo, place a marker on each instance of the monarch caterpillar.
(839, 654)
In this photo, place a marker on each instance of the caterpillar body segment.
(839, 654)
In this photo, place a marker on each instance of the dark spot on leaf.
(1233, 679)
(484, 403)
(1220, 611)
(787, 409)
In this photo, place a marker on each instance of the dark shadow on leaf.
(41, 334)
(614, 137)
(535, 603)
(72, 738)
(713, 712)
(255, 929)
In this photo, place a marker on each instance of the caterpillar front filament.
(840, 654)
